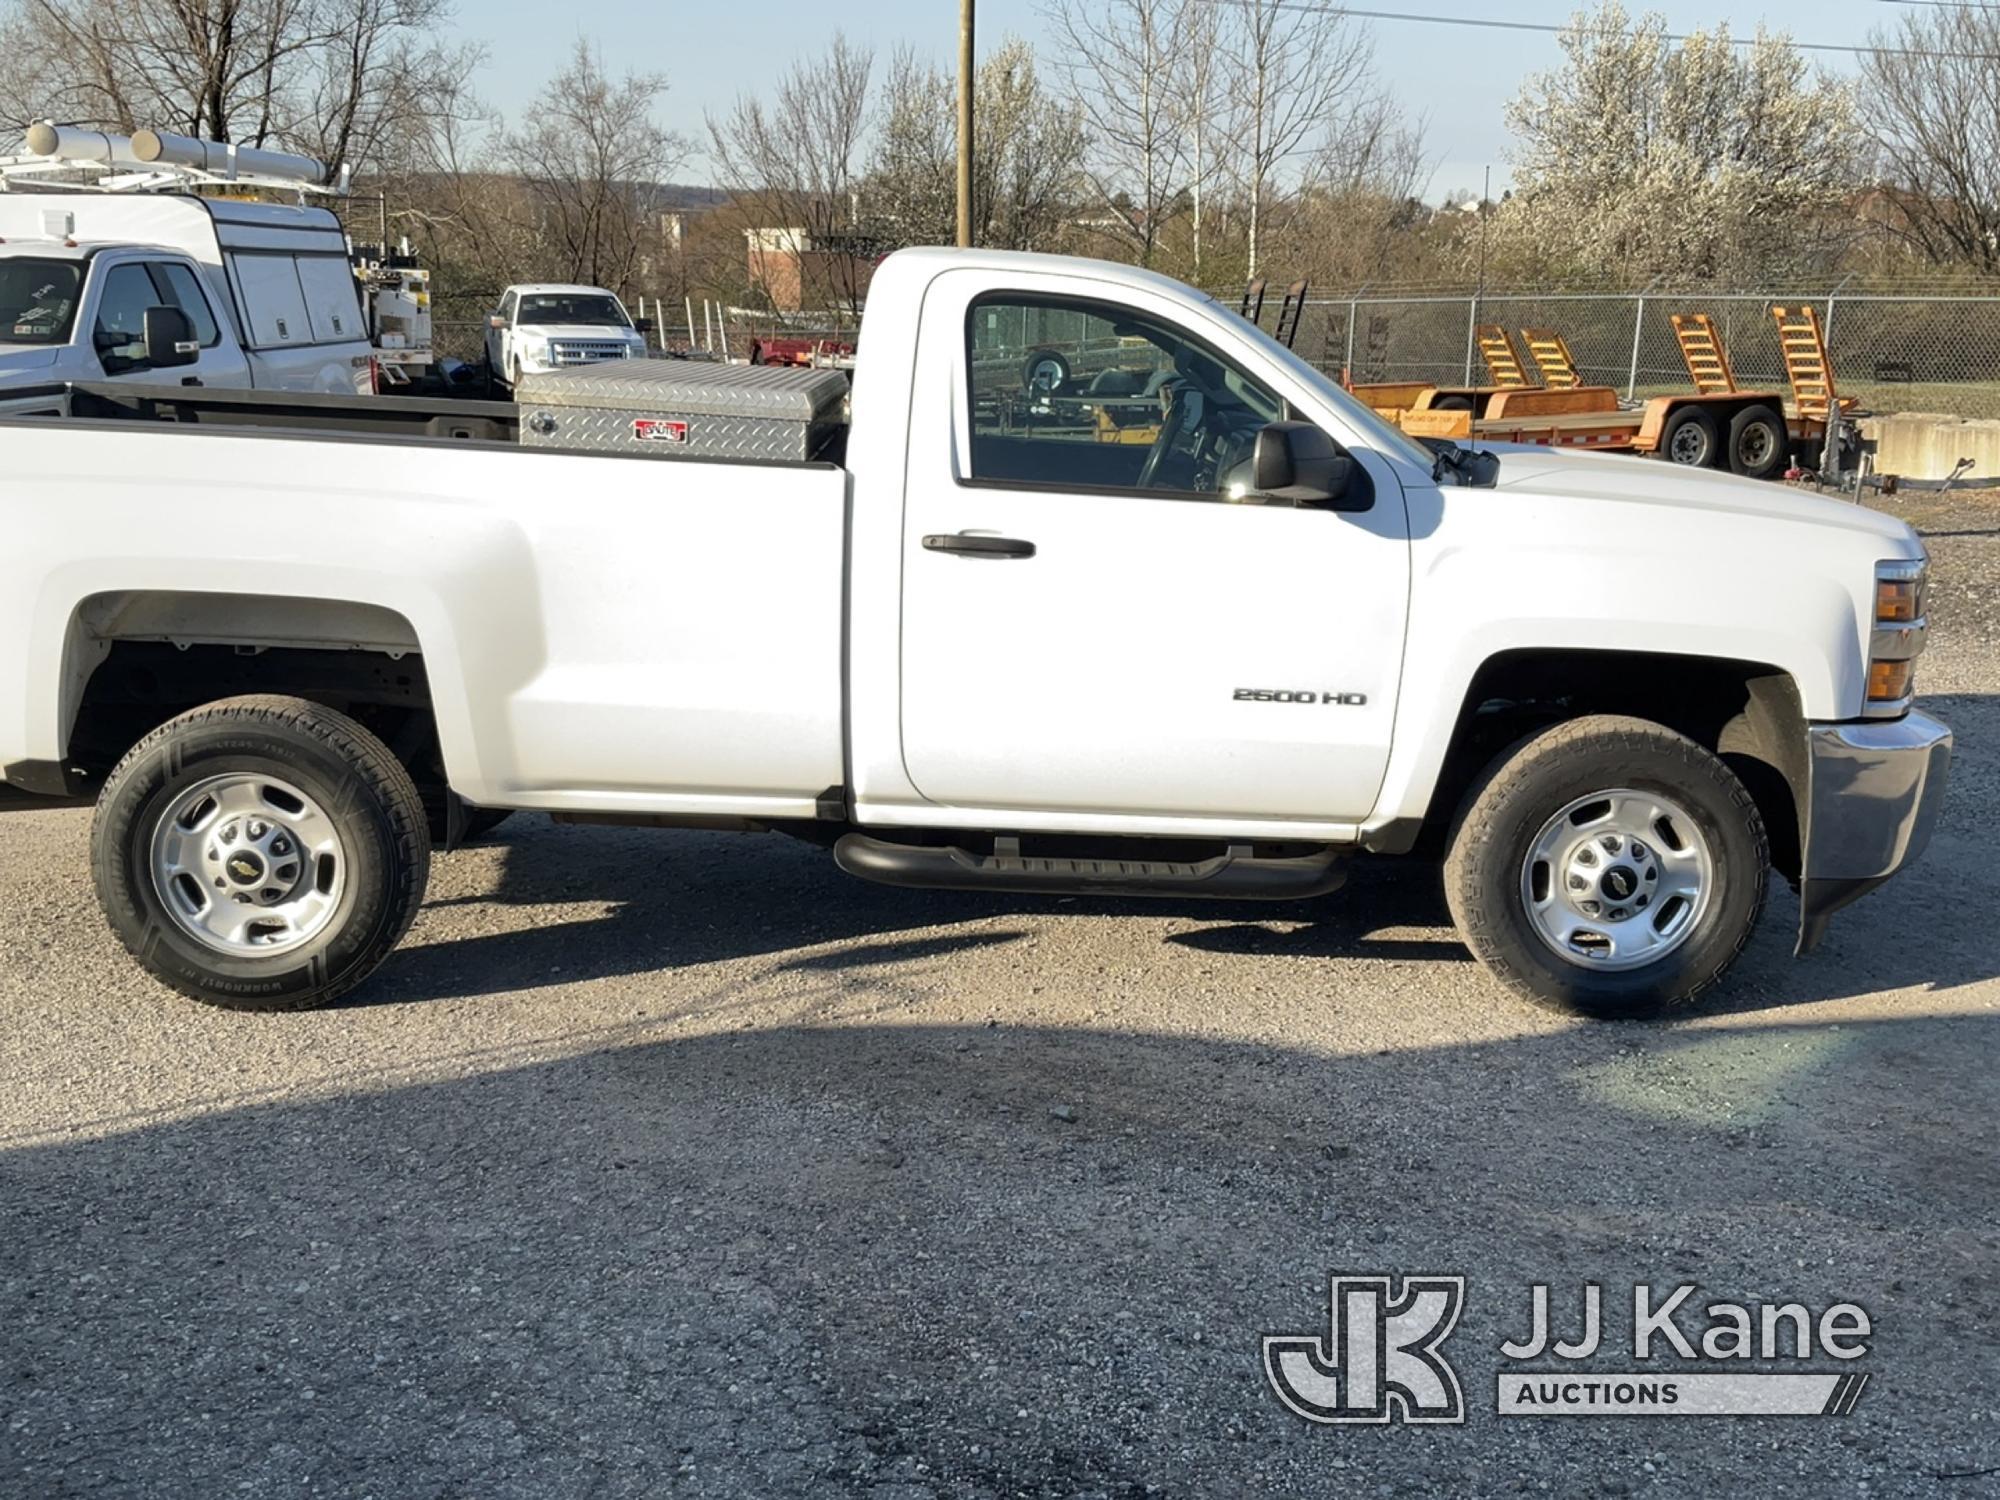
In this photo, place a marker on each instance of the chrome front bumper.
(1872, 799)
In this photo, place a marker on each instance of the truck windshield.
(38, 300)
(574, 307)
(1388, 437)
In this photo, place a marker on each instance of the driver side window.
(121, 318)
(1069, 394)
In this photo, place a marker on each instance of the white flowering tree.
(1707, 158)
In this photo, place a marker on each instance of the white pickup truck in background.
(547, 326)
(267, 290)
(990, 629)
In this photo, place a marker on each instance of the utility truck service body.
(986, 649)
(267, 288)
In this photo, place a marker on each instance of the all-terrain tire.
(366, 795)
(1487, 869)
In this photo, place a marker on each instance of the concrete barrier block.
(1933, 445)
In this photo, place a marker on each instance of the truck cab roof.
(47, 249)
(557, 289)
(205, 228)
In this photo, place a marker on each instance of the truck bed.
(600, 634)
(375, 418)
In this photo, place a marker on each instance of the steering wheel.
(1170, 426)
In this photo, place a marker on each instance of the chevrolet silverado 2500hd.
(991, 631)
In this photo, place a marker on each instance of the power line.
(1550, 29)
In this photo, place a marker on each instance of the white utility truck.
(549, 326)
(102, 237)
(960, 633)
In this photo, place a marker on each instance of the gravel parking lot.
(680, 1164)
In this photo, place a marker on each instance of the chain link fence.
(1894, 350)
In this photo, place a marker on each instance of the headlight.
(1896, 638)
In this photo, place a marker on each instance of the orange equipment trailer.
(1505, 370)
(1716, 425)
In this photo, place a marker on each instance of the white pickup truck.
(1002, 632)
(549, 326)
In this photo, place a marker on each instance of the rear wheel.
(1452, 403)
(260, 853)
(1609, 866)
(1691, 438)
(1759, 443)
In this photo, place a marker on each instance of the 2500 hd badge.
(1301, 695)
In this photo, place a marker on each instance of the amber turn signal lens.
(1889, 681)
(1895, 601)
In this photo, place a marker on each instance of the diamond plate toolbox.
(666, 408)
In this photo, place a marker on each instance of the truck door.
(1100, 614)
(118, 326)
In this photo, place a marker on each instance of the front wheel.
(260, 853)
(1609, 866)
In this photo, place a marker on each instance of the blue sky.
(1460, 77)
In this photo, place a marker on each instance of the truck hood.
(575, 331)
(24, 364)
(1672, 487)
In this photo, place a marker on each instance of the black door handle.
(966, 545)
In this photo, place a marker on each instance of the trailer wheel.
(1691, 438)
(260, 853)
(1045, 372)
(1759, 443)
(1452, 403)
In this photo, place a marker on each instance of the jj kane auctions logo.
(1382, 1358)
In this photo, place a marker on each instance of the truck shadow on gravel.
(662, 901)
(677, 899)
(972, 1262)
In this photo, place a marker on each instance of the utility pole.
(1485, 197)
(965, 88)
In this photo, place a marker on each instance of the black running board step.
(1237, 873)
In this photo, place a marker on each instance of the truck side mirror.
(170, 338)
(496, 321)
(643, 325)
(1295, 461)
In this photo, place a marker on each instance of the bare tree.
(1026, 152)
(592, 158)
(379, 70)
(797, 162)
(325, 77)
(1934, 93)
(1284, 68)
(1360, 216)
(1198, 94)
(1122, 58)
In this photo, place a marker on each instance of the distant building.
(797, 269)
